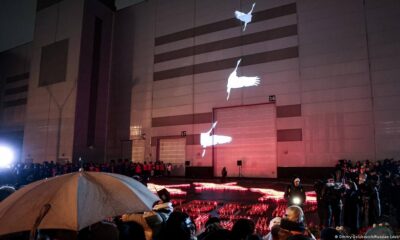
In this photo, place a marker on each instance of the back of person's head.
(380, 232)
(254, 237)
(42, 236)
(179, 226)
(131, 231)
(275, 232)
(292, 226)
(164, 195)
(6, 191)
(330, 234)
(242, 229)
(216, 234)
(299, 237)
(212, 225)
(104, 230)
(212, 220)
(294, 213)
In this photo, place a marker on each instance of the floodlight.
(6, 156)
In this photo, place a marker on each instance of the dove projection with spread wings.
(208, 140)
(245, 17)
(239, 82)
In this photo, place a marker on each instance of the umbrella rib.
(121, 180)
(107, 193)
(126, 184)
(34, 188)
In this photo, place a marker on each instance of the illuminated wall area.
(327, 65)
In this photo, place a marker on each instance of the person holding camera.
(295, 194)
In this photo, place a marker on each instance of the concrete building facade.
(329, 84)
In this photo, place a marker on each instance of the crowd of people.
(24, 173)
(358, 195)
(163, 223)
(357, 198)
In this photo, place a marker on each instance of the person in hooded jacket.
(295, 194)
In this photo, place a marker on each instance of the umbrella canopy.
(73, 201)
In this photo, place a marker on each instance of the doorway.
(253, 133)
(173, 150)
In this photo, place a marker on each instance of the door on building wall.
(253, 133)
(173, 150)
(138, 150)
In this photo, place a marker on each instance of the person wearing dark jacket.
(330, 234)
(179, 226)
(224, 173)
(385, 192)
(396, 198)
(291, 230)
(332, 194)
(295, 194)
(351, 208)
(370, 207)
(214, 231)
(321, 202)
(375, 202)
(242, 229)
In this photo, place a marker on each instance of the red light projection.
(218, 186)
(174, 190)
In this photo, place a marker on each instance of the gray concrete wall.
(50, 111)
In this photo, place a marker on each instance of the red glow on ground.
(232, 186)
(268, 194)
(175, 192)
(270, 204)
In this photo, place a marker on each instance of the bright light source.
(6, 157)
(296, 200)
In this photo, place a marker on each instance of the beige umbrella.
(73, 201)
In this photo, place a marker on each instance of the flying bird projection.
(207, 140)
(245, 17)
(238, 82)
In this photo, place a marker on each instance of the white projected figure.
(245, 17)
(238, 82)
(207, 140)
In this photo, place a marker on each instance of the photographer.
(295, 194)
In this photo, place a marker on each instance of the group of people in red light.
(24, 173)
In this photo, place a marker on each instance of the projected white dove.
(207, 140)
(238, 82)
(245, 17)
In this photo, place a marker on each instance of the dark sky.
(17, 20)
